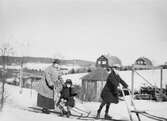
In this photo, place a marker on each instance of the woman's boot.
(45, 110)
(98, 115)
(106, 116)
(99, 110)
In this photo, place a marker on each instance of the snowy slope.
(13, 109)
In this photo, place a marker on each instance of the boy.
(66, 98)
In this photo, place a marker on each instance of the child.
(66, 98)
(109, 93)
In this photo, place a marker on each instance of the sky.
(85, 29)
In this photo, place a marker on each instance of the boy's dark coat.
(68, 94)
(110, 92)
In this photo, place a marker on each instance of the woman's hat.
(56, 61)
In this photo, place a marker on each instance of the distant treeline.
(18, 60)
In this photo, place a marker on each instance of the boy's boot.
(68, 112)
(63, 112)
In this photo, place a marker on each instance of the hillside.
(17, 60)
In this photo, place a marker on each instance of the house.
(143, 61)
(93, 82)
(107, 60)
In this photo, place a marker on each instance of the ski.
(144, 113)
(79, 117)
(81, 112)
(165, 119)
(152, 117)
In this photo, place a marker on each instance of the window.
(99, 62)
(104, 62)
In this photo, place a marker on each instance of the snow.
(16, 102)
(43, 66)
(76, 78)
(70, 66)
(38, 66)
(9, 80)
(153, 76)
(14, 67)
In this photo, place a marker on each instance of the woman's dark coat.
(110, 92)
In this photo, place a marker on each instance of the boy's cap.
(68, 81)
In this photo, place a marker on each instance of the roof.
(113, 60)
(100, 74)
(147, 61)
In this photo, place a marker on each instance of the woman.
(109, 93)
(49, 87)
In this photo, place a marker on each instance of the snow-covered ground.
(153, 76)
(43, 66)
(38, 66)
(16, 102)
(76, 78)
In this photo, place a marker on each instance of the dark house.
(106, 60)
(93, 83)
(102, 61)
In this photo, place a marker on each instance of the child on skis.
(66, 98)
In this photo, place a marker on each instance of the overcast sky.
(85, 29)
